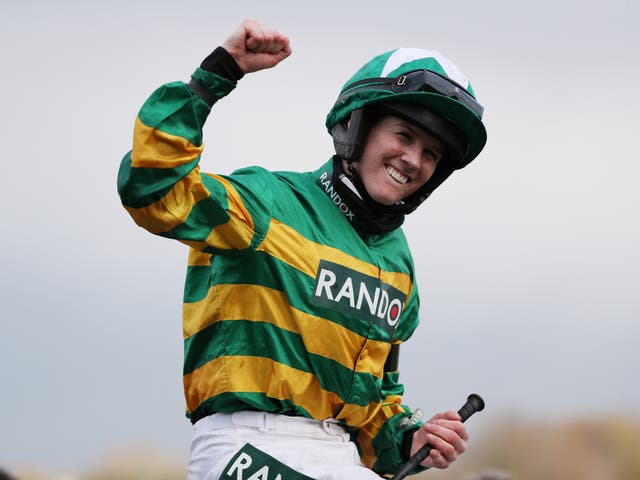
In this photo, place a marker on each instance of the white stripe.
(404, 55)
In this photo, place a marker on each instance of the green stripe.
(216, 190)
(171, 109)
(218, 86)
(385, 443)
(197, 284)
(229, 402)
(391, 383)
(259, 339)
(140, 187)
(247, 269)
(256, 339)
(203, 217)
(203, 347)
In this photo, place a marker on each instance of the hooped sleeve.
(392, 442)
(159, 181)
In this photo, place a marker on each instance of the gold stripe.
(286, 244)
(275, 380)
(229, 302)
(198, 258)
(238, 232)
(153, 148)
(173, 209)
(271, 378)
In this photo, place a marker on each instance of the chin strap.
(375, 217)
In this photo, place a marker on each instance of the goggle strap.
(398, 84)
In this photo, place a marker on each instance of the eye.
(432, 155)
(405, 135)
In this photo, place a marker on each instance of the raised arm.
(159, 181)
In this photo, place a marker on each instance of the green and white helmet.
(424, 87)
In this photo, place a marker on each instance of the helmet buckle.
(402, 81)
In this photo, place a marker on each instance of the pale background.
(528, 259)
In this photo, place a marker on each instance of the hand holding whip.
(474, 404)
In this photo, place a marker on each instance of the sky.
(527, 259)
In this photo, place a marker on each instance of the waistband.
(265, 421)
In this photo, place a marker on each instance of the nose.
(412, 157)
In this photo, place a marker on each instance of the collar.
(352, 200)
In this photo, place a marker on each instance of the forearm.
(385, 440)
(390, 447)
(219, 63)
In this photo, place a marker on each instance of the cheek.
(426, 172)
(371, 177)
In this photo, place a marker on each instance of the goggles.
(418, 81)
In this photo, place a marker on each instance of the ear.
(348, 136)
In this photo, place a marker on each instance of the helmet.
(423, 87)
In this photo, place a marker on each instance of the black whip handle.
(474, 404)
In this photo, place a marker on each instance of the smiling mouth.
(396, 175)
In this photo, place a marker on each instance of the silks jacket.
(289, 306)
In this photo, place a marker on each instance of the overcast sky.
(527, 259)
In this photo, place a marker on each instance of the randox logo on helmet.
(358, 295)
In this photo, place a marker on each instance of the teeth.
(396, 175)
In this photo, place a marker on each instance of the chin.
(385, 198)
(386, 201)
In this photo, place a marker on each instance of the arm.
(385, 440)
(159, 180)
(390, 432)
(395, 434)
(400, 436)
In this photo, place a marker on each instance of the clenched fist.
(256, 46)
